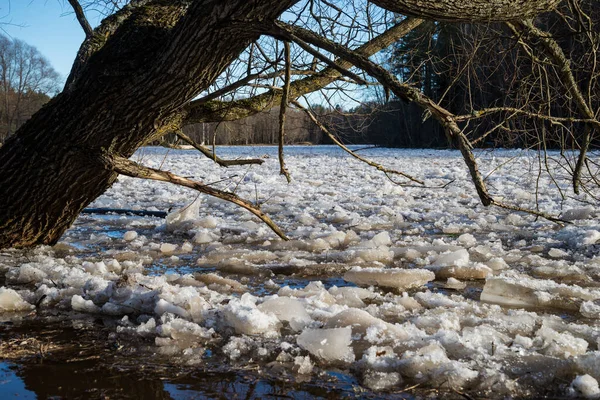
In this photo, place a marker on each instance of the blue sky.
(48, 25)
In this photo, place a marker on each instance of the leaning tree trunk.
(123, 92)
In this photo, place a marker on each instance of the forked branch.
(127, 167)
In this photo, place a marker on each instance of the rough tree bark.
(131, 82)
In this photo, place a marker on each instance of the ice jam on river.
(399, 287)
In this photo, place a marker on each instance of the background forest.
(463, 67)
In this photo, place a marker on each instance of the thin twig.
(335, 140)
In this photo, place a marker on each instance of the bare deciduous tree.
(26, 80)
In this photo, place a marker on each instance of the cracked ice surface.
(398, 285)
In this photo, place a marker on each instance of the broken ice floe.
(389, 277)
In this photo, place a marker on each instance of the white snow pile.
(396, 285)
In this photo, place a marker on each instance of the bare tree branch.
(335, 140)
(127, 167)
(215, 111)
(223, 163)
(283, 108)
(87, 28)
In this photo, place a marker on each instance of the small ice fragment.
(577, 213)
(376, 380)
(497, 264)
(303, 365)
(337, 348)
(10, 300)
(183, 218)
(167, 248)
(590, 309)
(246, 318)
(287, 309)
(208, 222)
(455, 284)
(586, 386)
(130, 235)
(78, 303)
(557, 253)
(591, 237)
(458, 258)
(187, 247)
(467, 240)
(393, 277)
(382, 239)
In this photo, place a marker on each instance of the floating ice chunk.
(246, 318)
(12, 301)
(204, 237)
(459, 258)
(376, 380)
(591, 237)
(318, 245)
(187, 331)
(431, 363)
(522, 341)
(562, 345)
(585, 386)
(380, 254)
(163, 306)
(114, 266)
(517, 290)
(78, 303)
(336, 239)
(220, 283)
(147, 328)
(382, 239)
(314, 290)
(467, 240)
(577, 213)
(183, 219)
(589, 363)
(26, 273)
(198, 306)
(451, 229)
(497, 264)
(422, 362)
(236, 347)
(207, 222)
(350, 296)
(98, 268)
(557, 253)
(328, 344)
(590, 309)
(130, 235)
(393, 277)
(467, 272)
(287, 309)
(514, 219)
(303, 365)
(455, 284)
(187, 247)
(167, 248)
(380, 358)
(361, 321)
(485, 339)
